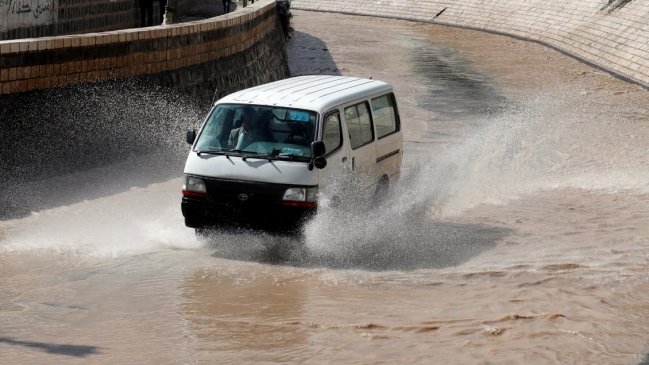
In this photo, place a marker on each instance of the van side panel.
(389, 153)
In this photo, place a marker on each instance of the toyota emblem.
(242, 197)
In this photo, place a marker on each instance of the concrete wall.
(610, 34)
(39, 18)
(17, 15)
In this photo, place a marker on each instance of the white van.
(268, 155)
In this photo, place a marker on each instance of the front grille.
(241, 193)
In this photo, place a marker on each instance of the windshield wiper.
(293, 158)
(267, 158)
(250, 154)
(212, 152)
(255, 155)
(272, 157)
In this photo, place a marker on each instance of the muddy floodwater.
(518, 233)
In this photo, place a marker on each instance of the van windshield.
(269, 132)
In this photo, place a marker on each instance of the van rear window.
(385, 115)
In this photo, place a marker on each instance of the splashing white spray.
(133, 222)
(550, 142)
(119, 206)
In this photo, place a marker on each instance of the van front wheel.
(381, 193)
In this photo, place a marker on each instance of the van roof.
(317, 92)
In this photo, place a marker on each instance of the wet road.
(517, 234)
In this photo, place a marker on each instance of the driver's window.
(332, 133)
(217, 130)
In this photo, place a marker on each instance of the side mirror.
(318, 149)
(191, 136)
(320, 162)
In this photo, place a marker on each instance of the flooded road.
(518, 233)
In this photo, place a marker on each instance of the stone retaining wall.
(610, 34)
(41, 63)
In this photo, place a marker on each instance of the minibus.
(269, 155)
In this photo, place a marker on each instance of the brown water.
(518, 233)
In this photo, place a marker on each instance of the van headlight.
(194, 187)
(302, 197)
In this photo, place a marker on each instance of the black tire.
(381, 192)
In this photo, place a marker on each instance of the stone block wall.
(610, 34)
(48, 62)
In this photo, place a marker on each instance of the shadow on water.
(309, 55)
(51, 348)
(416, 244)
(50, 134)
(645, 360)
(455, 90)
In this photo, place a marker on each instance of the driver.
(251, 130)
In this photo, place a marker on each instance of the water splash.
(123, 130)
(137, 221)
(113, 187)
(550, 142)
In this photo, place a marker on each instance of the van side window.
(359, 124)
(332, 135)
(385, 115)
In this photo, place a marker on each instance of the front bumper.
(231, 203)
